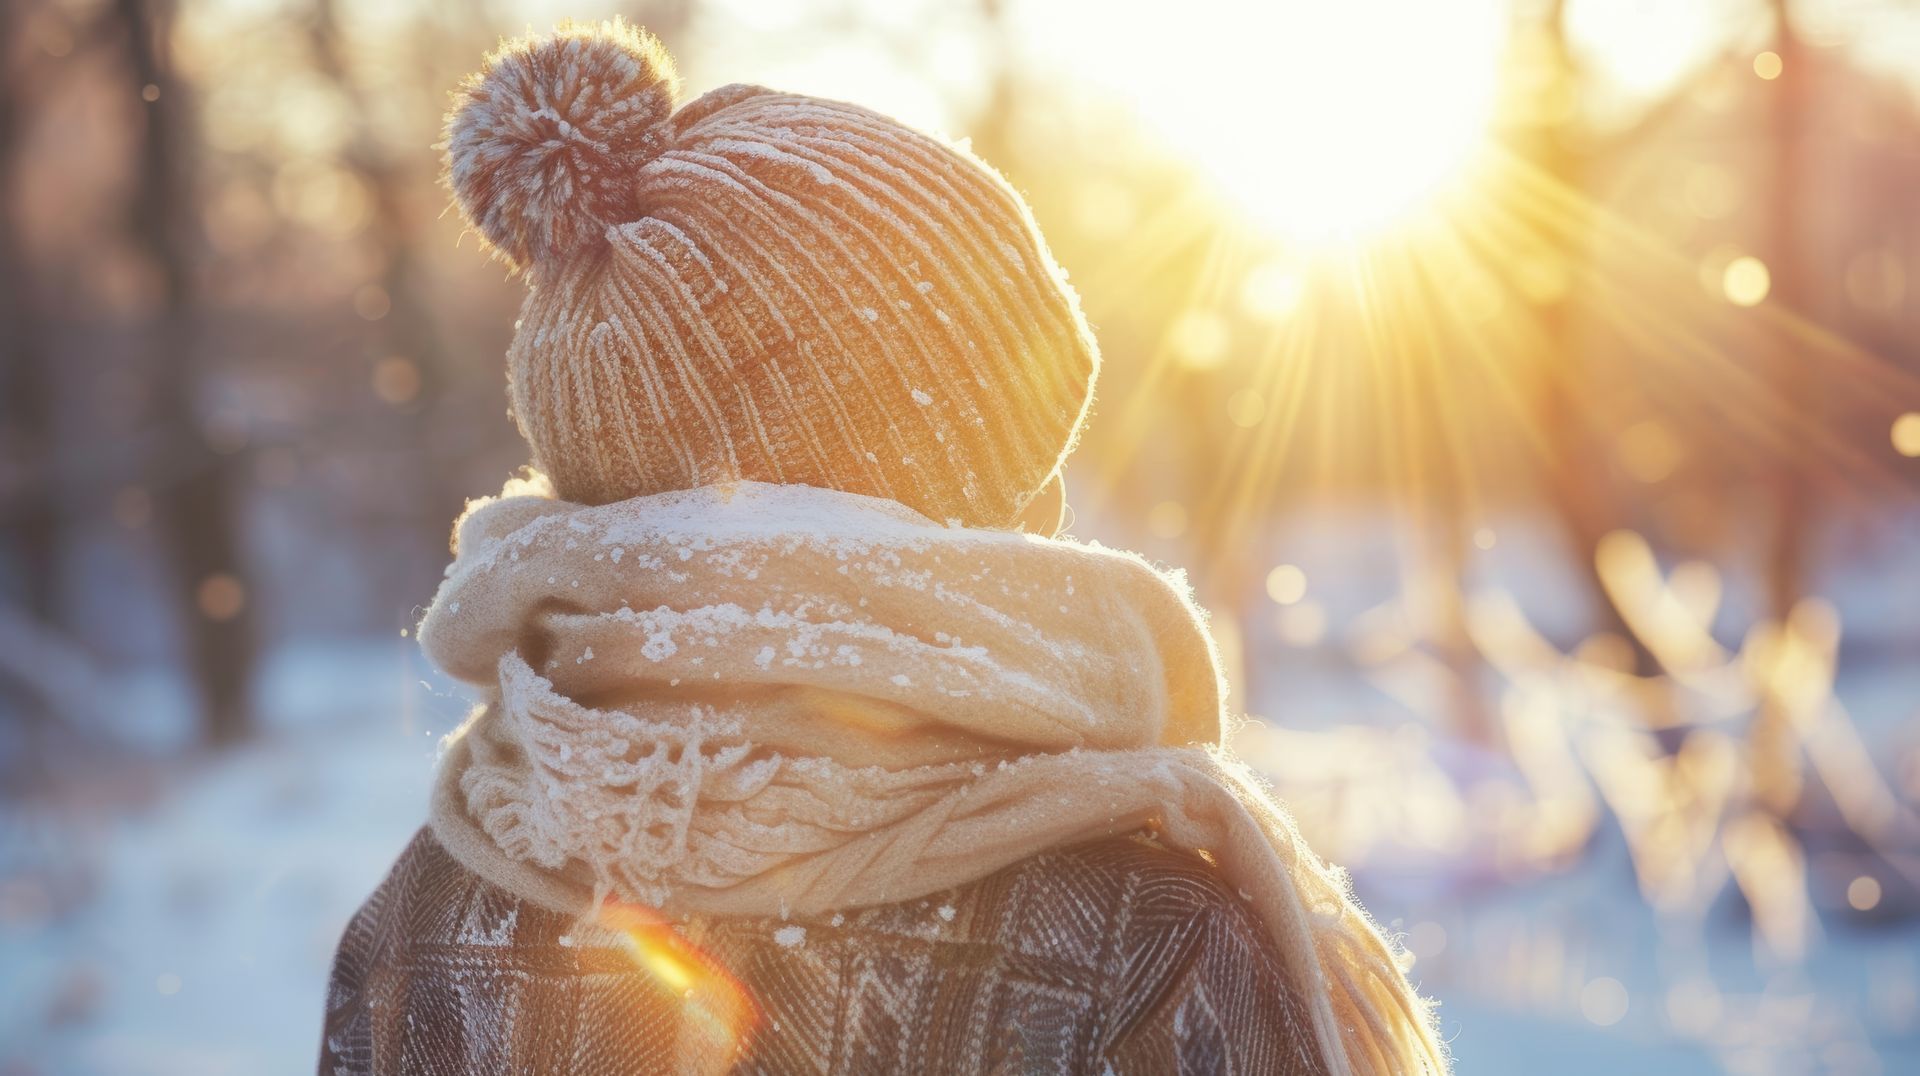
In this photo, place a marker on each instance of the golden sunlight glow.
(1306, 115)
(1200, 339)
(1272, 292)
(1247, 408)
(1168, 519)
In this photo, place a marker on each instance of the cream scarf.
(765, 700)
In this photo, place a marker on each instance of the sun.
(1319, 120)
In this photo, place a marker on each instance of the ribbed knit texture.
(762, 286)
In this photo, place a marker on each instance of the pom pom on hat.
(544, 143)
(762, 286)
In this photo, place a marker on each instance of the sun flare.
(1309, 117)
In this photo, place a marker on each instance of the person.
(804, 743)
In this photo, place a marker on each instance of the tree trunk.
(1774, 750)
(28, 501)
(195, 502)
(1579, 497)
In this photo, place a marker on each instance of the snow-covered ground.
(208, 907)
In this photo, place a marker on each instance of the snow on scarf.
(765, 700)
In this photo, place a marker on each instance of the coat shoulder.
(1197, 983)
(430, 965)
(1125, 895)
(430, 899)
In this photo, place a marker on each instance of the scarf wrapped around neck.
(759, 700)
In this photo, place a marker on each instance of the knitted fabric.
(754, 700)
(762, 286)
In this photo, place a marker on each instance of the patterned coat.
(1113, 956)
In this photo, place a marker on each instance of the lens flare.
(717, 1011)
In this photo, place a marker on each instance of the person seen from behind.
(805, 744)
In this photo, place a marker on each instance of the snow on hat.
(762, 286)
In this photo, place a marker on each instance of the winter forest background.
(1532, 390)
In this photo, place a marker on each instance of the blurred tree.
(1579, 496)
(195, 502)
(27, 492)
(1773, 745)
(410, 344)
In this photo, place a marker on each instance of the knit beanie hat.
(761, 286)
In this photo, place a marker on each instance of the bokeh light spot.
(1199, 339)
(220, 596)
(1649, 451)
(1746, 281)
(1247, 408)
(1603, 1001)
(1906, 434)
(371, 302)
(1286, 584)
(396, 380)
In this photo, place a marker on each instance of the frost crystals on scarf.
(760, 700)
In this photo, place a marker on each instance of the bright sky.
(1321, 119)
(1318, 118)
(1642, 47)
